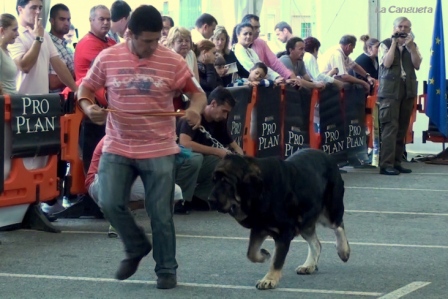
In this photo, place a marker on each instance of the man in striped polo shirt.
(141, 77)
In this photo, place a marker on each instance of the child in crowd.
(256, 77)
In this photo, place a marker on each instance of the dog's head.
(237, 182)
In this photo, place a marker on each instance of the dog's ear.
(253, 180)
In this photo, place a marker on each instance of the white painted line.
(397, 213)
(186, 284)
(407, 289)
(396, 189)
(295, 240)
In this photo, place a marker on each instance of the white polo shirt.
(335, 57)
(36, 81)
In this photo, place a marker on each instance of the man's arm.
(271, 60)
(55, 83)
(26, 62)
(86, 101)
(187, 142)
(389, 54)
(362, 72)
(416, 57)
(236, 148)
(63, 73)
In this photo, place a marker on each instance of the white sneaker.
(56, 208)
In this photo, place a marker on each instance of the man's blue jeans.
(116, 175)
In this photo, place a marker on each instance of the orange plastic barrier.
(26, 186)
(70, 124)
(249, 145)
(315, 138)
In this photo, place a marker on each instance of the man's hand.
(38, 28)
(279, 80)
(371, 80)
(366, 86)
(319, 85)
(333, 72)
(193, 118)
(96, 114)
(339, 84)
(222, 152)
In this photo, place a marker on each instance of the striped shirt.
(66, 55)
(137, 86)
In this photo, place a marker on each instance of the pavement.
(396, 226)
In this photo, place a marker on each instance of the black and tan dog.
(283, 199)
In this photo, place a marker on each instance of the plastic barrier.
(70, 126)
(296, 125)
(267, 122)
(237, 118)
(353, 110)
(332, 124)
(31, 127)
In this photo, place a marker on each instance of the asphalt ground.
(396, 226)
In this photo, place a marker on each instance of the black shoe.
(129, 266)
(389, 171)
(50, 217)
(401, 169)
(181, 207)
(166, 281)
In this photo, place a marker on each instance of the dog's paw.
(304, 270)
(343, 251)
(267, 283)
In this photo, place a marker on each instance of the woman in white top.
(8, 71)
(245, 55)
(179, 40)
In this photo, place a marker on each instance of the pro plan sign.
(35, 122)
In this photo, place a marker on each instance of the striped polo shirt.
(136, 86)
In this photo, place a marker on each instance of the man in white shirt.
(120, 13)
(337, 57)
(34, 51)
(204, 27)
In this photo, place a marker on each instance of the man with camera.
(399, 57)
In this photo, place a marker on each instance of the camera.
(400, 34)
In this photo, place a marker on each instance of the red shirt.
(86, 51)
(93, 168)
(137, 86)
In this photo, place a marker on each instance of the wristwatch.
(40, 39)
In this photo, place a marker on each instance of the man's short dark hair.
(247, 18)
(145, 18)
(119, 10)
(56, 8)
(169, 19)
(205, 18)
(291, 44)
(23, 3)
(348, 39)
(283, 25)
(221, 95)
